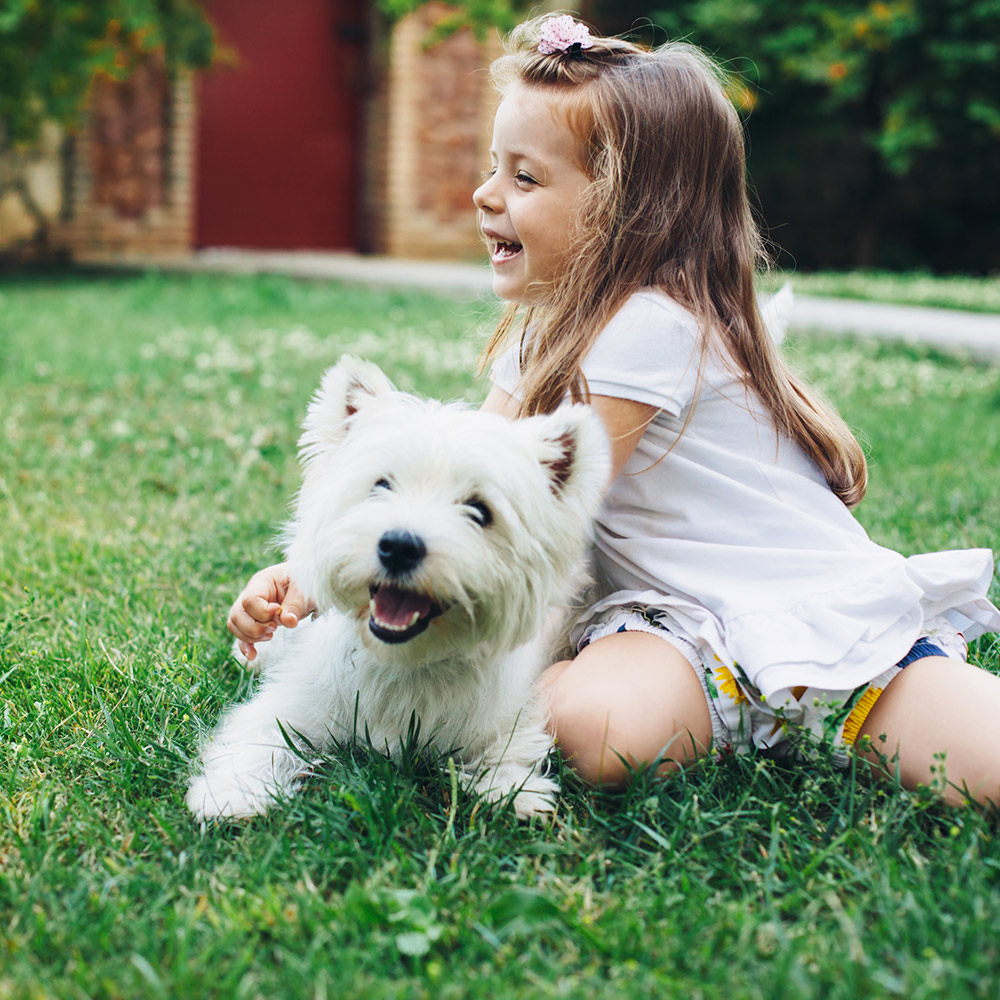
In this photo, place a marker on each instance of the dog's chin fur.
(494, 516)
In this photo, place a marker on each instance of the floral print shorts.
(743, 718)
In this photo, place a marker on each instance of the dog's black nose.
(400, 552)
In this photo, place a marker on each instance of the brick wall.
(132, 183)
(438, 107)
(427, 135)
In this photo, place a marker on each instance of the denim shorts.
(743, 718)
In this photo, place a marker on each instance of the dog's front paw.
(236, 786)
(537, 797)
(534, 795)
(227, 798)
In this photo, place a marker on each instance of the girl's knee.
(604, 748)
(929, 726)
(550, 676)
(582, 727)
(610, 719)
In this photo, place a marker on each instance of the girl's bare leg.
(940, 706)
(632, 694)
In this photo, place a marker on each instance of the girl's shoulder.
(649, 351)
(652, 310)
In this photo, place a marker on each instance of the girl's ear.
(572, 448)
(344, 390)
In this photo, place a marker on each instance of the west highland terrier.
(435, 540)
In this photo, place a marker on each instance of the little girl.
(743, 604)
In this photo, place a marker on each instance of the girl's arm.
(625, 421)
(500, 402)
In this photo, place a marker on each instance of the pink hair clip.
(563, 34)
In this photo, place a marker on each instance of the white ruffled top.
(731, 530)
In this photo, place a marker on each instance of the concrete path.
(977, 334)
(472, 280)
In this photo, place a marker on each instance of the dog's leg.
(516, 764)
(248, 762)
(535, 794)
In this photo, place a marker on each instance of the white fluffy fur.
(469, 677)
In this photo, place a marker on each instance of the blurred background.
(152, 129)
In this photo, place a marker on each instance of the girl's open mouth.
(503, 252)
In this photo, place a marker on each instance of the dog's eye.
(382, 484)
(480, 513)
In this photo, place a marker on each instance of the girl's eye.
(524, 179)
(479, 512)
(382, 484)
(487, 174)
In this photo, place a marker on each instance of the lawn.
(147, 459)
(913, 288)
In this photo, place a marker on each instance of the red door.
(279, 128)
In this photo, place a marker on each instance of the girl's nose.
(485, 196)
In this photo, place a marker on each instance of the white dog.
(435, 540)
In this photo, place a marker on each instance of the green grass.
(147, 457)
(912, 288)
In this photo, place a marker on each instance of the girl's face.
(528, 202)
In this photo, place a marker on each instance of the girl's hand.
(271, 598)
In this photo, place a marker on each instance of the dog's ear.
(345, 389)
(573, 451)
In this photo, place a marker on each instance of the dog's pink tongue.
(398, 608)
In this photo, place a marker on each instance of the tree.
(880, 101)
(50, 50)
(916, 72)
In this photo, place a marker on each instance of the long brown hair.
(668, 208)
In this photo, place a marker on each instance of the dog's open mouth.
(397, 615)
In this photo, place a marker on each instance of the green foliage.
(50, 50)
(482, 16)
(915, 73)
